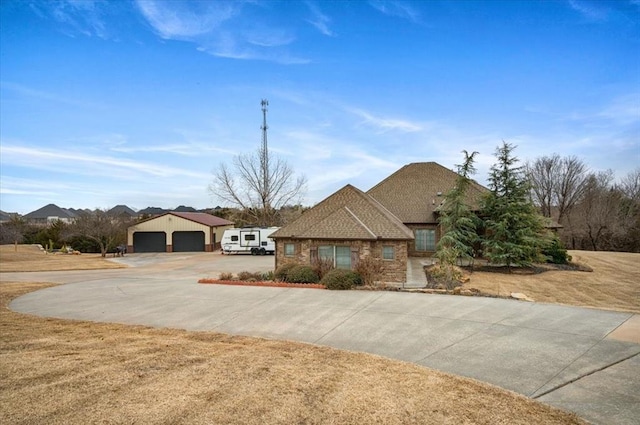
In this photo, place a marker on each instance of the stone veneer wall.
(394, 270)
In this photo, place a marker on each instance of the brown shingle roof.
(347, 214)
(411, 193)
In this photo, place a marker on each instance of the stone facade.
(395, 270)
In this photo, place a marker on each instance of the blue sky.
(137, 102)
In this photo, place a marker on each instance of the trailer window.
(234, 238)
(263, 243)
(249, 237)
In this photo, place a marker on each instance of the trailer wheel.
(262, 251)
(254, 251)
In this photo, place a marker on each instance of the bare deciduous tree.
(598, 210)
(260, 188)
(104, 229)
(557, 182)
(630, 185)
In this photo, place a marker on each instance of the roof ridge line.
(360, 221)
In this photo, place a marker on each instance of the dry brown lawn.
(31, 258)
(73, 372)
(613, 284)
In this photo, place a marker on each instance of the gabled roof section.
(347, 214)
(50, 210)
(152, 211)
(183, 208)
(202, 218)
(5, 216)
(414, 192)
(122, 209)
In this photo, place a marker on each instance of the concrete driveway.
(564, 356)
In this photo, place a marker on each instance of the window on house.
(425, 239)
(339, 255)
(343, 257)
(289, 249)
(388, 252)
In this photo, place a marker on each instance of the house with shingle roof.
(50, 213)
(394, 220)
(415, 193)
(150, 212)
(6, 217)
(346, 227)
(122, 211)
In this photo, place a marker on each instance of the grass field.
(614, 283)
(30, 258)
(72, 372)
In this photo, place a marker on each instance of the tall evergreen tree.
(514, 233)
(457, 220)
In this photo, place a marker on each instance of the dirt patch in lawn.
(613, 284)
(74, 372)
(30, 258)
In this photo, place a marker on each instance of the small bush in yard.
(248, 276)
(555, 252)
(268, 276)
(281, 272)
(322, 266)
(341, 279)
(370, 270)
(444, 276)
(226, 276)
(302, 274)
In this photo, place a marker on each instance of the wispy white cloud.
(384, 124)
(399, 9)
(183, 149)
(184, 20)
(221, 28)
(623, 110)
(78, 17)
(319, 20)
(66, 161)
(23, 90)
(589, 10)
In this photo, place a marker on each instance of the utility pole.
(264, 157)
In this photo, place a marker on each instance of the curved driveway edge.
(558, 354)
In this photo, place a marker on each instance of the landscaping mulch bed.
(270, 284)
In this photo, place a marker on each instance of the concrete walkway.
(415, 272)
(563, 356)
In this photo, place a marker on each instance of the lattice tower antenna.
(264, 153)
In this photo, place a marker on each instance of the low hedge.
(341, 279)
(282, 272)
(302, 274)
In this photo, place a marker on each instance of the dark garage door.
(149, 242)
(188, 241)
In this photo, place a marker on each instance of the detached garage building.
(177, 232)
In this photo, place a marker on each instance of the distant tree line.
(596, 212)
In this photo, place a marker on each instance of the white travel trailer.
(255, 240)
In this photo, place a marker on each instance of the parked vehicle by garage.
(254, 240)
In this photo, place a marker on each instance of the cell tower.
(264, 153)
